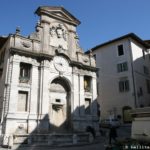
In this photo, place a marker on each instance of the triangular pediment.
(59, 13)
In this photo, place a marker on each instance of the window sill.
(88, 94)
(24, 79)
(27, 85)
(22, 112)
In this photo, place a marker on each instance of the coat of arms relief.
(58, 36)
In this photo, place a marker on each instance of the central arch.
(60, 105)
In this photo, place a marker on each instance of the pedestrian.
(112, 134)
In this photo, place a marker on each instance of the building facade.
(47, 83)
(124, 76)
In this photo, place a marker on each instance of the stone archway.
(60, 105)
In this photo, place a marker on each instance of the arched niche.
(60, 105)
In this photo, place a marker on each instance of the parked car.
(107, 123)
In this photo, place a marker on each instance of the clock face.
(60, 63)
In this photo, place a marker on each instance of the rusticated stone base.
(52, 139)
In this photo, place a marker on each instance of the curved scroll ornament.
(85, 59)
(26, 44)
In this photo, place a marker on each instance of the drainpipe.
(133, 77)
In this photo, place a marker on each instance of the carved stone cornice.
(59, 13)
(30, 53)
(44, 21)
(82, 66)
(42, 56)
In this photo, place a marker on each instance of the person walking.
(112, 134)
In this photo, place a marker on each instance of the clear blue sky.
(101, 20)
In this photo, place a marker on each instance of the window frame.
(89, 83)
(118, 50)
(25, 72)
(124, 85)
(27, 100)
(122, 67)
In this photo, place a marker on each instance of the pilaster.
(44, 92)
(45, 42)
(76, 98)
(34, 90)
(81, 89)
(13, 89)
(94, 98)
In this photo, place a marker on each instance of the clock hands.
(60, 63)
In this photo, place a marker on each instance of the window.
(58, 100)
(122, 67)
(25, 70)
(87, 83)
(22, 101)
(120, 50)
(148, 85)
(123, 85)
(87, 106)
(145, 69)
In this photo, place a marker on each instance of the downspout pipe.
(133, 77)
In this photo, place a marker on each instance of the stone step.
(52, 139)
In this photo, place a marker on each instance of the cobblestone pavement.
(101, 143)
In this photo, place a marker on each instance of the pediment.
(58, 13)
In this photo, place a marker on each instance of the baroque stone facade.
(47, 83)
